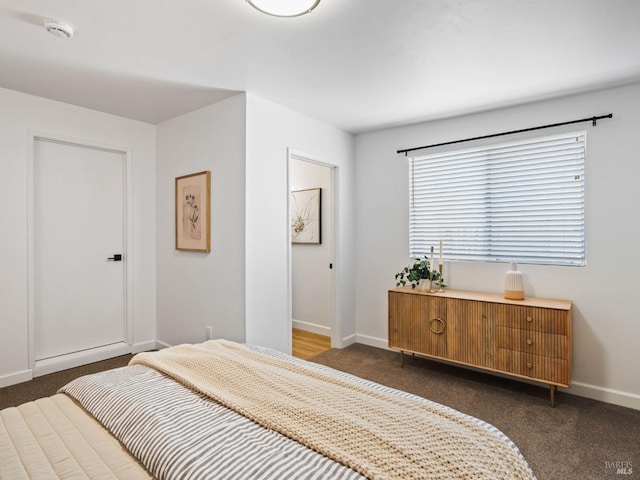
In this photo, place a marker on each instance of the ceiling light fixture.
(284, 8)
(59, 29)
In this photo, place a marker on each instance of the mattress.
(55, 438)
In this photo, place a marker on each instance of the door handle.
(117, 257)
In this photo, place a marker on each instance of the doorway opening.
(312, 271)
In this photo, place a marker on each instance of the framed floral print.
(305, 216)
(193, 212)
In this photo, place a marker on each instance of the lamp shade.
(284, 8)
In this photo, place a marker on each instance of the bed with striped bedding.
(175, 432)
(180, 434)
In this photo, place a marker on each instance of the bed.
(223, 410)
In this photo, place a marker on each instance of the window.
(520, 201)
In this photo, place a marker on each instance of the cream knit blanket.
(378, 434)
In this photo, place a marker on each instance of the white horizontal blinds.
(521, 201)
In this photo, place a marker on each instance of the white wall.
(195, 290)
(20, 113)
(271, 130)
(310, 274)
(605, 292)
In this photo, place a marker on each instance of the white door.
(79, 300)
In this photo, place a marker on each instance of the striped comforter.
(177, 433)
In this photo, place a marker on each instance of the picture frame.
(306, 216)
(193, 212)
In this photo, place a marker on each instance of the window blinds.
(520, 201)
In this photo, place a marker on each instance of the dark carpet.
(48, 385)
(579, 439)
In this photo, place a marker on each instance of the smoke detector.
(59, 28)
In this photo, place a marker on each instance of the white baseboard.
(63, 362)
(14, 378)
(311, 327)
(372, 341)
(349, 340)
(607, 395)
(160, 345)
(143, 346)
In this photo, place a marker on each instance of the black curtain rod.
(590, 119)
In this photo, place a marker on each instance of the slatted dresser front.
(528, 338)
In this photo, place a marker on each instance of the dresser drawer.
(530, 318)
(536, 367)
(531, 341)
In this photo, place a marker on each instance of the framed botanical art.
(193, 212)
(305, 216)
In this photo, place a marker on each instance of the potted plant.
(420, 270)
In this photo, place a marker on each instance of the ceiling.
(359, 65)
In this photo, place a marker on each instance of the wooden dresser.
(528, 338)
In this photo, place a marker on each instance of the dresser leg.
(401, 359)
(552, 392)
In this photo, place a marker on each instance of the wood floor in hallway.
(306, 344)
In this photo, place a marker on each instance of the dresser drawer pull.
(529, 341)
(437, 325)
(529, 365)
(529, 319)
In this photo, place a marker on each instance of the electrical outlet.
(209, 333)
